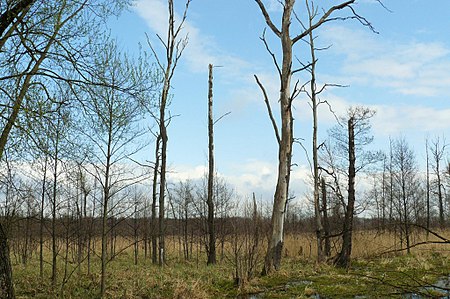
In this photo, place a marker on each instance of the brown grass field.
(372, 272)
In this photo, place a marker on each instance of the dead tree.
(210, 198)
(285, 135)
(437, 148)
(174, 47)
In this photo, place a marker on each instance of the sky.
(402, 71)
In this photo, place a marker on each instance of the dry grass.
(366, 244)
(193, 279)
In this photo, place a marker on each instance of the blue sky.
(403, 72)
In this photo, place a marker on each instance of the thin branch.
(267, 18)
(269, 109)
(274, 58)
(217, 120)
(322, 20)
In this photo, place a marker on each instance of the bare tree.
(345, 160)
(358, 128)
(438, 150)
(285, 136)
(428, 184)
(174, 46)
(405, 187)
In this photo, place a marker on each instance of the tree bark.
(154, 201)
(326, 223)
(7, 18)
(6, 282)
(314, 105)
(285, 138)
(273, 256)
(210, 199)
(343, 258)
(162, 178)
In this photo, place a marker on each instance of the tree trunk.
(210, 199)
(154, 200)
(106, 199)
(343, 258)
(42, 221)
(440, 195)
(4, 250)
(6, 282)
(54, 205)
(162, 180)
(314, 105)
(273, 255)
(326, 223)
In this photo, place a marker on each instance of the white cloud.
(185, 172)
(411, 68)
(201, 49)
(394, 119)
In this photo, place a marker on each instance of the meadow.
(372, 274)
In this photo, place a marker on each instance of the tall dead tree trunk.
(343, 258)
(314, 105)
(210, 199)
(285, 136)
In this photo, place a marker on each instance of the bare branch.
(269, 109)
(217, 120)
(267, 18)
(263, 38)
(323, 19)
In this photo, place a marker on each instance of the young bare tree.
(285, 135)
(405, 187)
(174, 46)
(438, 150)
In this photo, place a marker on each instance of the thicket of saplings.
(241, 230)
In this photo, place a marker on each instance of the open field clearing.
(371, 274)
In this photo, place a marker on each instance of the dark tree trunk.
(6, 282)
(162, 188)
(7, 18)
(343, 258)
(326, 223)
(154, 234)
